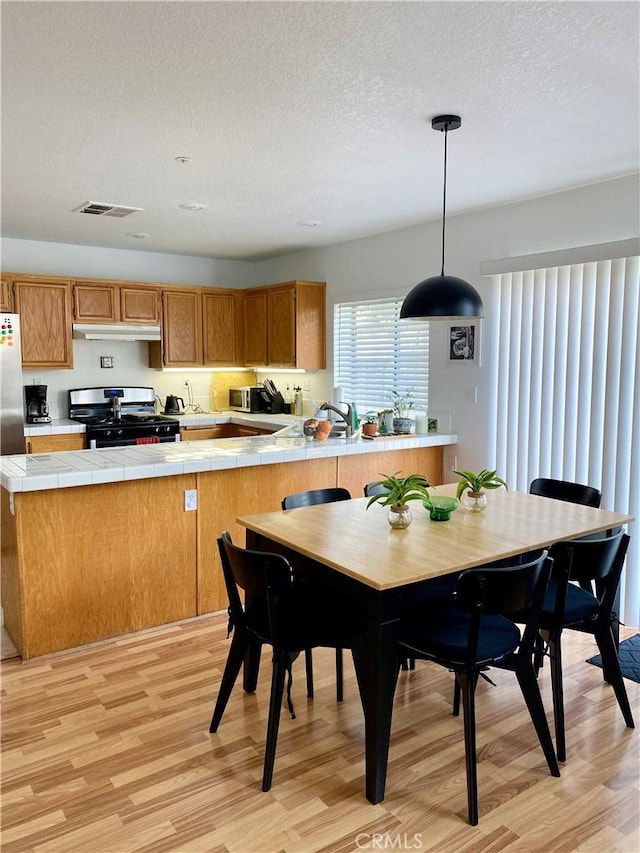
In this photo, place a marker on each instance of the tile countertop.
(29, 473)
(60, 426)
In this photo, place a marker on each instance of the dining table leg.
(376, 663)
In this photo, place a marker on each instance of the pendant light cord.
(444, 196)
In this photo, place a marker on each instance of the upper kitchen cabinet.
(220, 325)
(45, 323)
(109, 302)
(255, 328)
(6, 294)
(139, 304)
(181, 330)
(286, 325)
(95, 303)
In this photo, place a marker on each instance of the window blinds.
(565, 386)
(375, 353)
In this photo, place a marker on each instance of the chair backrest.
(371, 489)
(511, 590)
(563, 490)
(595, 563)
(264, 579)
(316, 496)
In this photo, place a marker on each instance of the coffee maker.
(37, 408)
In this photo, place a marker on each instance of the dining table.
(348, 546)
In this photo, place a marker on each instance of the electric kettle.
(171, 406)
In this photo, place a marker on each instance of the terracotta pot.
(369, 429)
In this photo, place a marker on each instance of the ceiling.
(303, 112)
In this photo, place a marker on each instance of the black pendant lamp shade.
(443, 297)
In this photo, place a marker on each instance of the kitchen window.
(375, 353)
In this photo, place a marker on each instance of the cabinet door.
(54, 443)
(6, 295)
(255, 342)
(281, 327)
(311, 322)
(45, 323)
(139, 305)
(219, 328)
(205, 433)
(94, 303)
(181, 328)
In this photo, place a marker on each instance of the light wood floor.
(107, 750)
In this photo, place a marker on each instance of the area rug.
(629, 654)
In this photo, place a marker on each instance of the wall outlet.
(306, 385)
(37, 381)
(190, 500)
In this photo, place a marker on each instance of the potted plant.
(402, 405)
(370, 425)
(474, 485)
(398, 491)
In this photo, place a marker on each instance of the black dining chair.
(565, 490)
(371, 489)
(281, 613)
(312, 497)
(581, 597)
(472, 631)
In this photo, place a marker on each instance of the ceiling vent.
(96, 208)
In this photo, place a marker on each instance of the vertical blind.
(375, 354)
(565, 386)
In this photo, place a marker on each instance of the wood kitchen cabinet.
(54, 443)
(181, 330)
(220, 323)
(286, 325)
(109, 302)
(95, 303)
(45, 323)
(6, 294)
(205, 433)
(255, 328)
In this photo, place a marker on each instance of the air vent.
(96, 208)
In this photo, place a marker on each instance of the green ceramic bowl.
(441, 507)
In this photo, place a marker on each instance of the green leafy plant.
(478, 482)
(402, 403)
(371, 417)
(400, 490)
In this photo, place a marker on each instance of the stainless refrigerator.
(11, 410)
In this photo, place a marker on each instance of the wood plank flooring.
(107, 750)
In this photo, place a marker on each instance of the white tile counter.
(28, 473)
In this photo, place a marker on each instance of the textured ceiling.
(303, 112)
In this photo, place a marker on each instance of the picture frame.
(463, 343)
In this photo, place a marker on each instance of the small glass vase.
(474, 501)
(399, 516)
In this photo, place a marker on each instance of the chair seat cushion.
(441, 632)
(580, 605)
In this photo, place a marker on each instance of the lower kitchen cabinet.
(204, 433)
(133, 558)
(54, 443)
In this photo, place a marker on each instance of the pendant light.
(443, 297)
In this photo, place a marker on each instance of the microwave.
(247, 398)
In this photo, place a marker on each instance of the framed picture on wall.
(463, 343)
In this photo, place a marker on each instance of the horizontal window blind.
(565, 385)
(375, 353)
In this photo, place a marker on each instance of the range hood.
(115, 332)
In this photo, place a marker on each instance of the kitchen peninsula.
(101, 543)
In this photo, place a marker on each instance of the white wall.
(383, 264)
(393, 262)
(38, 258)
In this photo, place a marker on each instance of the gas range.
(119, 417)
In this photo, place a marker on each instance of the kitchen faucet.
(348, 418)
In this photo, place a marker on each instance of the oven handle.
(96, 444)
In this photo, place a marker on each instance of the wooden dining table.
(352, 549)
